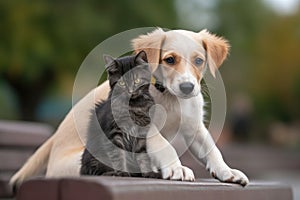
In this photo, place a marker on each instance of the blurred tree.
(278, 69)
(241, 22)
(42, 44)
(264, 61)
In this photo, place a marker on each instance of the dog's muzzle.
(186, 87)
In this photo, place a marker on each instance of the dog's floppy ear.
(217, 50)
(151, 44)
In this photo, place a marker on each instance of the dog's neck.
(164, 98)
(158, 85)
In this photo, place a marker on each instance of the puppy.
(178, 59)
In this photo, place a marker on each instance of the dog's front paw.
(231, 176)
(178, 172)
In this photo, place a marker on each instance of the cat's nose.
(186, 87)
(130, 91)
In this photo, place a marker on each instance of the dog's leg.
(164, 157)
(203, 147)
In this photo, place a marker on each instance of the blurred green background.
(43, 43)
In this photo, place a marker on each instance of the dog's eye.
(198, 61)
(170, 60)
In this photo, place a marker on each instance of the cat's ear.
(108, 60)
(110, 66)
(141, 58)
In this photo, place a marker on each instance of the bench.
(18, 140)
(123, 188)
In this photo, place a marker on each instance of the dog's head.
(181, 57)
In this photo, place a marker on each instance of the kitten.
(119, 149)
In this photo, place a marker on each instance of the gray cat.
(119, 147)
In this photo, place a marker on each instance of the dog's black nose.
(186, 87)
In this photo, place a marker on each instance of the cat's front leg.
(144, 163)
(117, 157)
(164, 157)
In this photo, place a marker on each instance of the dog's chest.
(182, 115)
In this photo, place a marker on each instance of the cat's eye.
(121, 83)
(137, 81)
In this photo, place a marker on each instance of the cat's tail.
(34, 165)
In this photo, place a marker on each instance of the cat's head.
(130, 74)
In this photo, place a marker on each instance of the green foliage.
(43, 43)
(278, 69)
(58, 34)
(264, 62)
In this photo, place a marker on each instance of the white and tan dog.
(178, 58)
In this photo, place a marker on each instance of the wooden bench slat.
(13, 159)
(23, 134)
(123, 188)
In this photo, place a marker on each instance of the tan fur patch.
(152, 45)
(73, 151)
(196, 73)
(217, 49)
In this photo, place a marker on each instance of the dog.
(178, 60)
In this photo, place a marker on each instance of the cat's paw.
(116, 173)
(178, 172)
(231, 176)
(152, 175)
